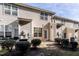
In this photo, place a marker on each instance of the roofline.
(66, 19)
(35, 8)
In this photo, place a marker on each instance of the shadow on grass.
(34, 52)
(45, 52)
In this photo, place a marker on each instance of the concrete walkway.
(48, 44)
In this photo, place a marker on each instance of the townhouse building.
(65, 28)
(17, 20)
(24, 21)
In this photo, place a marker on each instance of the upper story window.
(44, 16)
(10, 9)
(75, 25)
(14, 10)
(7, 9)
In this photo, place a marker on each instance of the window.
(7, 9)
(1, 31)
(44, 16)
(37, 32)
(75, 25)
(45, 33)
(1, 28)
(15, 32)
(14, 10)
(8, 28)
(10, 9)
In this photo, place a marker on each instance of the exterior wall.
(70, 32)
(53, 31)
(26, 14)
(68, 27)
(25, 28)
(6, 19)
(69, 24)
(37, 22)
(35, 16)
(78, 36)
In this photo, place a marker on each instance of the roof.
(35, 8)
(66, 19)
(50, 12)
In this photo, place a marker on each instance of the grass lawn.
(47, 51)
(3, 52)
(71, 53)
(43, 52)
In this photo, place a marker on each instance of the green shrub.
(23, 39)
(64, 43)
(22, 45)
(72, 39)
(36, 42)
(8, 44)
(74, 45)
(16, 38)
(58, 40)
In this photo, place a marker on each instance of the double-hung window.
(46, 16)
(10, 9)
(7, 9)
(37, 32)
(14, 10)
(1, 31)
(8, 28)
(43, 16)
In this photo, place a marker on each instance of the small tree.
(35, 42)
(8, 44)
(73, 43)
(64, 43)
(22, 46)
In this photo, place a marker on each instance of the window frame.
(37, 32)
(13, 9)
(7, 9)
(44, 16)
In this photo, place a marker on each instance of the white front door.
(46, 34)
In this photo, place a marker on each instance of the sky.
(68, 10)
